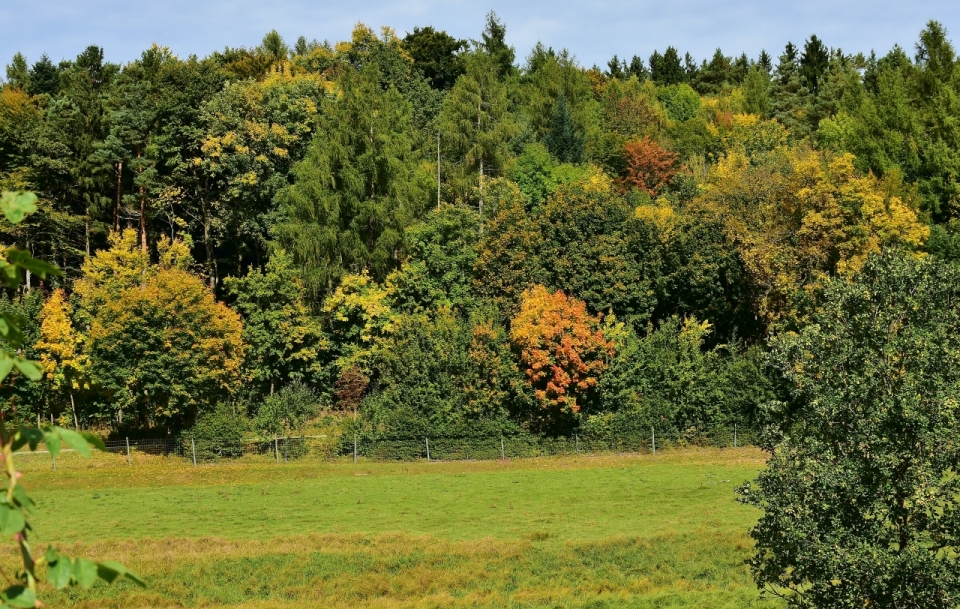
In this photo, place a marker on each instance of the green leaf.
(16, 205)
(93, 440)
(19, 596)
(59, 569)
(11, 520)
(111, 570)
(74, 440)
(52, 440)
(85, 572)
(24, 260)
(11, 274)
(23, 500)
(27, 435)
(29, 369)
(6, 364)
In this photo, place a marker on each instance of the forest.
(420, 234)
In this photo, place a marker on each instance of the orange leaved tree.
(562, 349)
(648, 166)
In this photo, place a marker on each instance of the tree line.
(422, 234)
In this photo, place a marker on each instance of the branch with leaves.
(15, 505)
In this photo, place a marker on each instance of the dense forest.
(428, 235)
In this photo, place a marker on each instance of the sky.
(592, 31)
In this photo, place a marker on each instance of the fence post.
(653, 434)
(286, 450)
(54, 464)
(576, 440)
(276, 449)
(354, 448)
(503, 452)
(193, 446)
(427, 440)
(129, 462)
(734, 435)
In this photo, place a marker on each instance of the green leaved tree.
(860, 495)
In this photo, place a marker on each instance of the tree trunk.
(116, 206)
(86, 228)
(143, 210)
(76, 423)
(208, 244)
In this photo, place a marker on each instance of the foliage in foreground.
(15, 505)
(860, 497)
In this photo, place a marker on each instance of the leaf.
(28, 368)
(16, 205)
(59, 569)
(85, 572)
(6, 364)
(25, 502)
(52, 440)
(24, 260)
(10, 328)
(111, 570)
(27, 435)
(74, 440)
(93, 440)
(19, 596)
(11, 520)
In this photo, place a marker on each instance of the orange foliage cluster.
(649, 166)
(561, 346)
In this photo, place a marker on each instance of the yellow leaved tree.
(800, 216)
(61, 350)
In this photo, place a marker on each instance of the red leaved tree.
(649, 166)
(562, 348)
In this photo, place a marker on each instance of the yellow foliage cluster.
(803, 216)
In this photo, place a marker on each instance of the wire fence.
(370, 447)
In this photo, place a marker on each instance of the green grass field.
(597, 532)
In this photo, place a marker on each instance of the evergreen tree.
(44, 77)
(475, 126)
(666, 69)
(638, 69)
(565, 140)
(616, 68)
(436, 53)
(357, 189)
(756, 91)
(18, 75)
(813, 63)
(764, 61)
(493, 43)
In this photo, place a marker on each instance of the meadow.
(597, 532)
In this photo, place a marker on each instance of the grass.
(590, 532)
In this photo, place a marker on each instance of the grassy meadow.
(597, 532)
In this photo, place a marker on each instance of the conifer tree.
(565, 140)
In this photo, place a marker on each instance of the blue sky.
(591, 31)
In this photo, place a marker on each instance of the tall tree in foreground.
(860, 496)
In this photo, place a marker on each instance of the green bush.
(217, 434)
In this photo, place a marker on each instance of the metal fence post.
(193, 446)
(276, 450)
(576, 440)
(427, 440)
(286, 450)
(503, 452)
(734, 435)
(129, 462)
(354, 448)
(653, 434)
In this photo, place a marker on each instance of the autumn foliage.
(648, 166)
(562, 347)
